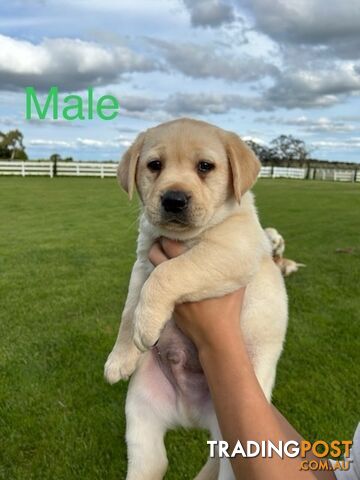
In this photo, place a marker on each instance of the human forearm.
(245, 414)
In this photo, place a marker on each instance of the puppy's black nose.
(174, 201)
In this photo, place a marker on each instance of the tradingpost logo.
(292, 448)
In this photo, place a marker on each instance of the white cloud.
(71, 64)
(202, 61)
(305, 88)
(306, 124)
(50, 143)
(322, 124)
(204, 103)
(251, 138)
(307, 21)
(350, 144)
(308, 29)
(137, 103)
(81, 143)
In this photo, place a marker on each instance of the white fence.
(283, 172)
(102, 170)
(26, 168)
(341, 175)
(85, 169)
(63, 169)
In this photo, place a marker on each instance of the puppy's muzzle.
(175, 202)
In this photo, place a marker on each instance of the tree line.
(289, 151)
(284, 150)
(12, 148)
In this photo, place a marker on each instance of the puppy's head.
(276, 240)
(185, 170)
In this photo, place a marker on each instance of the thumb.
(172, 248)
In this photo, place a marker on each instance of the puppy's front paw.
(146, 331)
(144, 340)
(120, 366)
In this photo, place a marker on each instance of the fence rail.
(283, 172)
(102, 170)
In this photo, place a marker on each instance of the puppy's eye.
(205, 167)
(154, 165)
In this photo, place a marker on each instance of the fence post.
(51, 169)
(77, 170)
(102, 171)
(23, 169)
(355, 175)
(54, 168)
(272, 171)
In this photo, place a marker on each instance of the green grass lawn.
(66, 251)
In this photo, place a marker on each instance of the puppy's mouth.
(175, 220)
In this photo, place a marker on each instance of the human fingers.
(156, 254)
(172, 248)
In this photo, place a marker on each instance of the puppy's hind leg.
(147, 458)
(265, 367)
(216, 468)
(149, 413)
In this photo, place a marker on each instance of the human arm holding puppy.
(242, 409)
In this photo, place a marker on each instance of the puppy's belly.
(177, 358)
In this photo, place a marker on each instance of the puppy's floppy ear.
(244, 164)
(126, 171)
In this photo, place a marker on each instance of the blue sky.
(258, 67)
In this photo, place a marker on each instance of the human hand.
(209, 322)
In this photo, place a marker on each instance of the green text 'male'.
(73, 107)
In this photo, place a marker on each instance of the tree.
(11, 145)
(290, 149)
(261, 151)
(4, 153)
(20, 154)
(55, 157)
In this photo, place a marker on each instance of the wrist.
(224, 346)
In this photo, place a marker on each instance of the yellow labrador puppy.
(193, 180)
